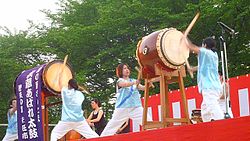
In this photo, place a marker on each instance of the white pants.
(10, 137)
(224, 107)
(120, 116)
(210, 108)
(81, 127)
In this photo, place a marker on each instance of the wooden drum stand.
(165, 78)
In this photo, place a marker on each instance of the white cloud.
(15, 13)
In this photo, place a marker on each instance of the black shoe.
(226, 116)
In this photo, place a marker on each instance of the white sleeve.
(81, 96)
(63, 92)
(64, 89)
(120, 80)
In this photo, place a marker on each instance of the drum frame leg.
(45, 116)
(145, 111)
(45, 113)
(165, 78)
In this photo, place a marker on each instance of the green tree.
(96, 46)
(18, 52)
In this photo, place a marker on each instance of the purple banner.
(29, 113)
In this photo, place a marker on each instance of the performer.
(72, 114)
(125, 128)
(128, 104)
(11, 132)
(208, 79)
(96, 118)
(225, 107)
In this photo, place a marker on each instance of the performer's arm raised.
(127, 84)
(193, 48)
(13, 108)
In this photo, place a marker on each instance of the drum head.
(172, 49)
(56, 74)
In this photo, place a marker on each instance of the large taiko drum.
(56, 75)
(164, 47)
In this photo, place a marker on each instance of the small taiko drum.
(196, 115)
(164, 47)
(56, 75)
(71, 135)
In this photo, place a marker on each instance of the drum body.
(71, 135)
(162, 47)
(196, 116)
(56, 75)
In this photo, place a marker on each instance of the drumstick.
(64, 62)
(186, 60)
(139, 73)
(60, 71)
(83, 89)
(189, 68)
(62, 68)
(191, 24)
(139, 76)
(184, 37)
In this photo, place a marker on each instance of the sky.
(15, 13)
